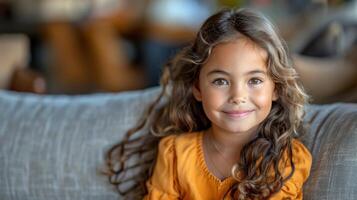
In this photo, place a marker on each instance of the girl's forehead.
(245, 42)
(239, 56)
(239, 43)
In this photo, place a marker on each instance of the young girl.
(228, 126)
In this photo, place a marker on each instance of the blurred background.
(97, 46)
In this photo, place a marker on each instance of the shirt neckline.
(203, 164)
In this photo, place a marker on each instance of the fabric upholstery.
(52, 147)
(332, 140)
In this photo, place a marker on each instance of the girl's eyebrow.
(256, 72)
(218, 71)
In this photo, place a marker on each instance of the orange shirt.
(181, 172)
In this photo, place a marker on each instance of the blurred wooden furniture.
(14, 71)
(14, 53)
(91, 56)
(27, 80)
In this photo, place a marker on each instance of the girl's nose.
(238, 94)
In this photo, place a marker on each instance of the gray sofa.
(52, 147)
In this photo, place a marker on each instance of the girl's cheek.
(216, 97)
(263, 96)
(263, 100)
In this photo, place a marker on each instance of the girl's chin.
(239, 130)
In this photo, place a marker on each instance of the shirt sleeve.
(163, 183)
(292, 188)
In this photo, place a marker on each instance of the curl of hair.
(182, 113)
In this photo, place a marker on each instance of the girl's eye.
(220, 82)
(255, 81)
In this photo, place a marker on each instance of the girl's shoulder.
(182, 142)
(181, 138)
(302, 160)
(300, 150)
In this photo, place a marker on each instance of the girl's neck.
(230, 143)
(222, 150)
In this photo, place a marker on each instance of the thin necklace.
(217, 149)
(214, 147)
(221, 174)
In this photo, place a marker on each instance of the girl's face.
(234, 86)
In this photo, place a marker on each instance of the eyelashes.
(255, 81)
(220, 82)
(224, 82)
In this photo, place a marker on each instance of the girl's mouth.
(238, 113)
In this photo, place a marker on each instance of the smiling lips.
(238, 113)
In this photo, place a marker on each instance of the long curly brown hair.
(176, 111)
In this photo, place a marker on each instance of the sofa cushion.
(332, 140)
(52, 147)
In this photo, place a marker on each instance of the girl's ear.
(275, 95)
(196, 92)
